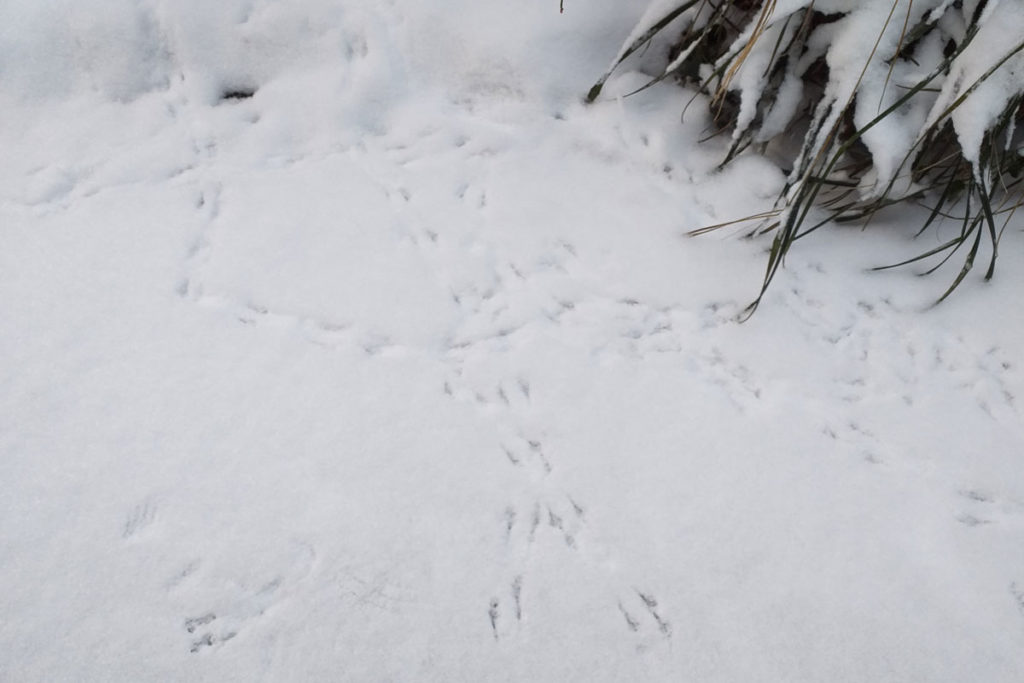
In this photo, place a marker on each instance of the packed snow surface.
(342, 342)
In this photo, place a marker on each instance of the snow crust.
(402, 368)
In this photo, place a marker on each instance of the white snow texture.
(341, 342)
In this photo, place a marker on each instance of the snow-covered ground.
(404, 369)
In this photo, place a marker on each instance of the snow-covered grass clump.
(894, 100)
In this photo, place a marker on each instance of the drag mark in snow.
(207, 638)
(192, 624)
(228, 606)
(735, 379)
(557, 515)
(631, 621)
(980, 505)
(534, 525)
(210, 630)
(568, 526)
(638, 603)
(562, 517)
(517, 596)
(500, 627)
(208, 208)
(493, 614)
(879, 349)
(512, 457)
(183, 575)
(522, 451)
(862, 440)
(652, 607)
(1018, 595)
(140, 517)
(510, 521)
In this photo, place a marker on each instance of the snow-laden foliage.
(893, 100)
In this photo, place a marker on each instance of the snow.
(893, 102)
(999, 37)
(403, 368)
